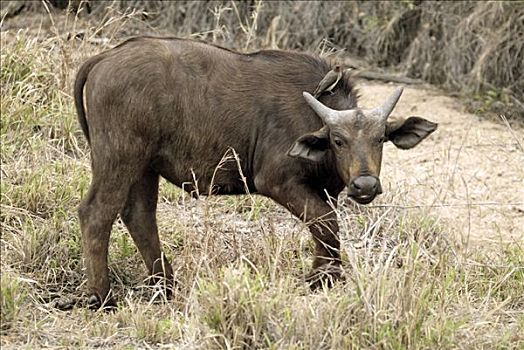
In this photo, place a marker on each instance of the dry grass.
(240, 272)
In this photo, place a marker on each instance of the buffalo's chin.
(363, 199)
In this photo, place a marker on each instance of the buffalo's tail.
(81, 78)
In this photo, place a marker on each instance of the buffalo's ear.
(312, 146)
(408, 133)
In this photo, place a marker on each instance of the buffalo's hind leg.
(139, 215)
(97, 212)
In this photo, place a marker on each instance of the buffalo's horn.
(385, 110)
(328, 115)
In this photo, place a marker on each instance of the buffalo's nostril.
(355, 185)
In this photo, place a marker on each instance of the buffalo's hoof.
(94, 303)
(65, 304)
(325, 275)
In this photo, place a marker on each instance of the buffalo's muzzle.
(364, 189)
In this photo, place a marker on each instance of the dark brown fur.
(172, 108)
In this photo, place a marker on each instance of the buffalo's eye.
(339, 142)
(381, 139)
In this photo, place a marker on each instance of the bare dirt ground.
(469, 172)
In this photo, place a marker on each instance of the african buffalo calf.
(171, 107)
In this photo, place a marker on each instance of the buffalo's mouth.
(363, 199)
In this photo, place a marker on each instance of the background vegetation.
(240, 261)
(471, 48)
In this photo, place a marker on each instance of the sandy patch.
(469, 172)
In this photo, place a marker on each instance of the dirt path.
(469, 173)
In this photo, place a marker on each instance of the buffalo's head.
(356, 138)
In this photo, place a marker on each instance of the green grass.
(239, 261)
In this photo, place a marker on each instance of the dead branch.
(370, 75)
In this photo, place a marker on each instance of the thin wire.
(481, 204)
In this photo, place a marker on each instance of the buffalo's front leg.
(307, 205)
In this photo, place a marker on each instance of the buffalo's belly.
(204, 176)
